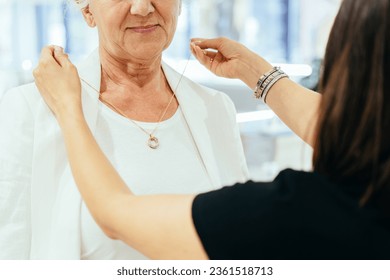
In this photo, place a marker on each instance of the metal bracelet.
(260, 84)
(267, 88)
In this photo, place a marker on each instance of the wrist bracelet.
(259, 86)
(270, 84)
(266, 81)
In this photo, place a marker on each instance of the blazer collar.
(90, 71)
(90, 74)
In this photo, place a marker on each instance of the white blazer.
(39, 202)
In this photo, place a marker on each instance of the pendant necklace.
(153, 141)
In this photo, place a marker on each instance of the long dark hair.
(353, 137)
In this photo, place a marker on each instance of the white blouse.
(174, 167)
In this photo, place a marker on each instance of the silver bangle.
(266, 81)
(259, 86)
(270, 85)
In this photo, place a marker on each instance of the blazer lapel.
(195, 114)
(90, 74)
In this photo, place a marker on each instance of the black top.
(299, 215)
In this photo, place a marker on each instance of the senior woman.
(161, 131)
(339, 211)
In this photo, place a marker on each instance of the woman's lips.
(144, 29)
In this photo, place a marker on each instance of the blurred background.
(290, 33)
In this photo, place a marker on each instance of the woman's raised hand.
(58, 82)
(229, 59)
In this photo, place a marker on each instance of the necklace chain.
(134, 122)
(153, 141)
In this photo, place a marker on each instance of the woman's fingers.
(212, 58)
(46, 61)
(205, 57)
(209, 47)
(211, 54)
(61, 57)
(53, 56)
(58, 81)
(215, 43)
(46, 53)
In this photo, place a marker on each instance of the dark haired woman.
(338, 211)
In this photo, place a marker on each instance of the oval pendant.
(153, 142)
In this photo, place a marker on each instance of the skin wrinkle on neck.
(140, 99)
(129, 71)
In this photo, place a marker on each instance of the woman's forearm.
(97, 180)
(159, 226)
(295, 105)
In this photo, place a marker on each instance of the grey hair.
(81, 4)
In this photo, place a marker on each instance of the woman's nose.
(141, 7)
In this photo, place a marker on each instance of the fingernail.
(197, 42)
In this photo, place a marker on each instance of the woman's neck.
(138, 89)
(141, 78)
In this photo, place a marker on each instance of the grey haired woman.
(163, 133)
